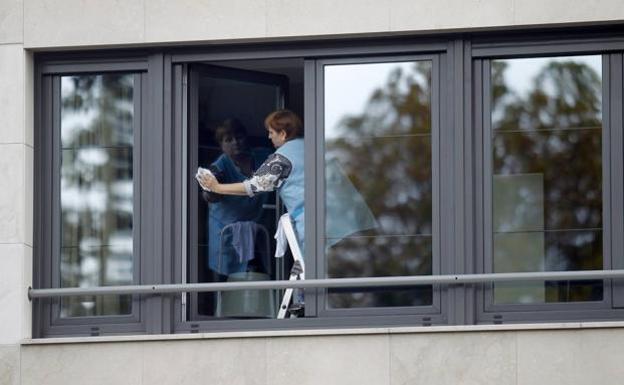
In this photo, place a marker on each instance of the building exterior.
(477, 136)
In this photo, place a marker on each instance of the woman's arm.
(268, 177)
(210, 183)
(229, 189)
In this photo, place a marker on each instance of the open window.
(373, 128)
(231, 238)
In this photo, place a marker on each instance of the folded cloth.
(281, 241)
(244, 239)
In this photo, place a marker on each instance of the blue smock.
(349, 211)
(230, 209)
(291, 191)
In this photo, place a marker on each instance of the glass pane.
(97, 110)
(97, 190)
(547, 175)
(378, 179)
(380, 256)
(233, 143)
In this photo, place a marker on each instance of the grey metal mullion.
(450, 124)
(152, 185)
(461, 99)
(319, 149)
(45, 201)
(606, 177)
(313, 164)
(466, 234)
(55, 206)
(487, 174)
(615, 105)
(477, 144)
(38, 212)
(170, 208)
(440, 196)
(180, 112)
(192, 159)
(138, 96)
(142, 239)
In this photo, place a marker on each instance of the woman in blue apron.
(237, 163)
(282, 171)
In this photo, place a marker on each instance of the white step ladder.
(289, 231)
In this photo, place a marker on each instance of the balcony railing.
(448, 279)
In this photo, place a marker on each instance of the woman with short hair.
(282, 171)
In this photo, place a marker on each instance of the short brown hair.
(286, 121)
(229, 127)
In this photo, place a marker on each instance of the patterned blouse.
(269, 176)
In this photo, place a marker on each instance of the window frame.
(483, 54)
(460, 169)
(47, 151)
(312, 86)
(440, 263)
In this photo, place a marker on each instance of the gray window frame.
(460, 172)
(608, 308)
(46, 320)
(314, 160)
(440, 262)
(191, 74)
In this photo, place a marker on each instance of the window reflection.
(378, 179)
(233, 144)
(547, 166)
(96, 190)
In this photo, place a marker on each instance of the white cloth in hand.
(201, 173)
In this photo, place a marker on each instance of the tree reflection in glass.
(97, 115)
(378, 151)
(547, 166)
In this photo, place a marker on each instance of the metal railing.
(329, 283)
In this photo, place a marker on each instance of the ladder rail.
(293, 244)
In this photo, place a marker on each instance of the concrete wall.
(16, 182)
(53, 24)
(589, 356)
(73, 23)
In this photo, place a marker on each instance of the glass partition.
(96, 190)
(231, 236)
(378, 179)
(547, 175)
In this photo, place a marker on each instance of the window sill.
(328, 332)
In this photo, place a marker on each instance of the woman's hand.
(207, 181)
